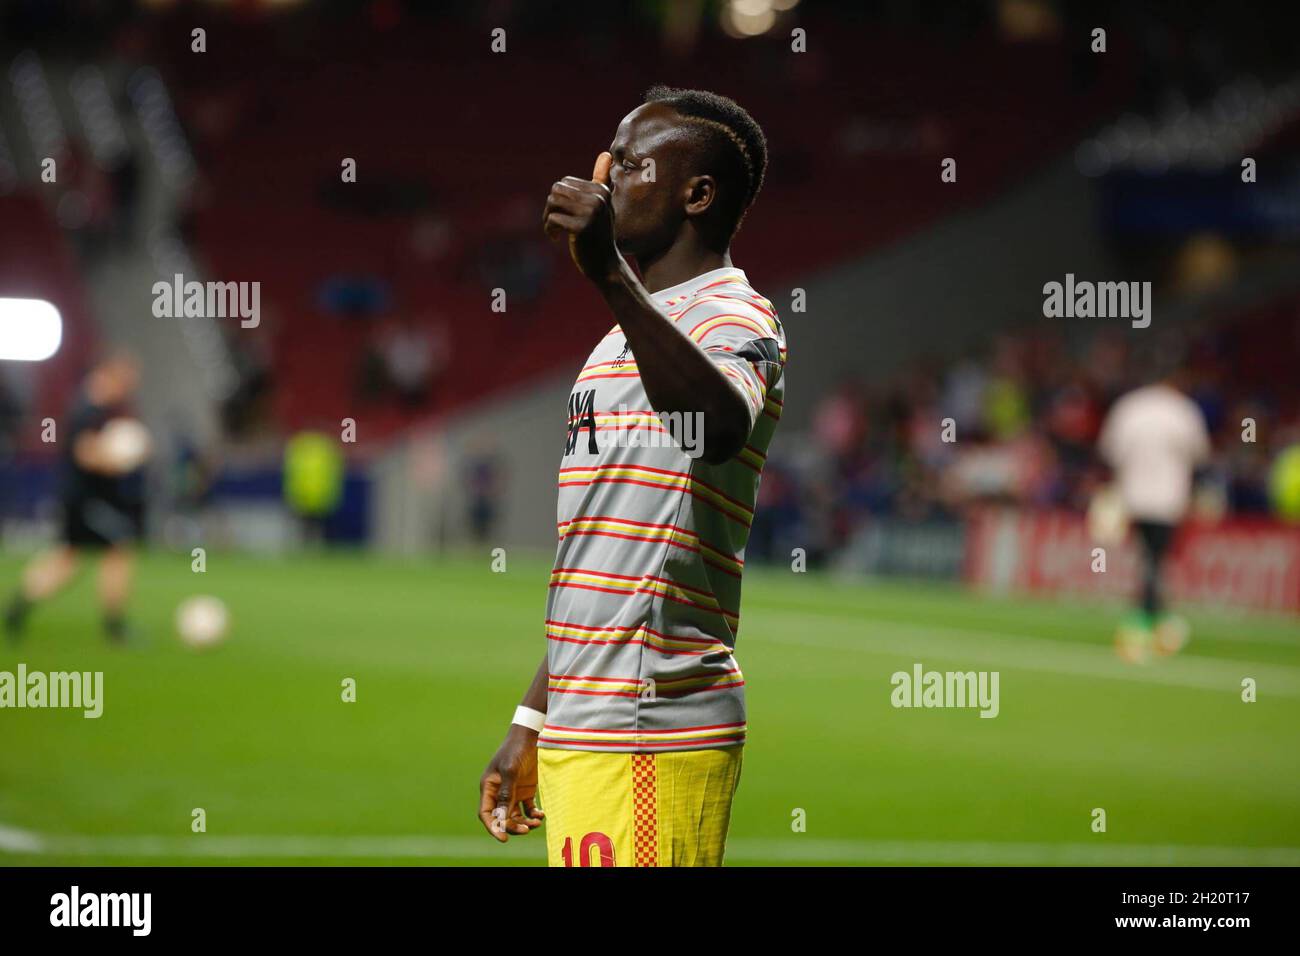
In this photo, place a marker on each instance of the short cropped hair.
(731, 141)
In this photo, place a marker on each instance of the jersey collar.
(684, 289)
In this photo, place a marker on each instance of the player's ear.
(701, 191)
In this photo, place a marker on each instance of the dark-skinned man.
(634, 724)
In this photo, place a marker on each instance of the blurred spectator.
(840, 422)
(406, 357)
(485, 487)
(355, 296)
(124, 183)
(11, 417)
(246, 408)
(520, 264)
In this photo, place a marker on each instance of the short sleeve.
(743, 337)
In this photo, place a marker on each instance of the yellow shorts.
(618, 809)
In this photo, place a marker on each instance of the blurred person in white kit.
(1154, 438)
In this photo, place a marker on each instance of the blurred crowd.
(1017, 423)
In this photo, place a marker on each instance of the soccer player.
(1154, 438)
(101, 503)
(634, 724)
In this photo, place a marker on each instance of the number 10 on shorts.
(598, 842)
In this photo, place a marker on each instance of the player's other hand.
(582, 210)
(509, 785)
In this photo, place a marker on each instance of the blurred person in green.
(1284, 484)
(1007, 412)
(313, 481)
(1006, 409)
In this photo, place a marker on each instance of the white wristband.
(527, 717)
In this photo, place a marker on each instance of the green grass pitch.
(255, 732)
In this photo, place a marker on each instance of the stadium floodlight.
(30, 329)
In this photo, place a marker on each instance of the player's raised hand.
(508, 787)
(582, 210)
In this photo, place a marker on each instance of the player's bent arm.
(677, 374)
(509, 784)
(88, 453)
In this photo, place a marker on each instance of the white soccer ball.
(202, 621)
(125, 442)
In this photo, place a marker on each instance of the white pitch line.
(13, 840)
(1041, 654)
(211, 846)
(794, 849)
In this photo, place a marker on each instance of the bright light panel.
(30, 329)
